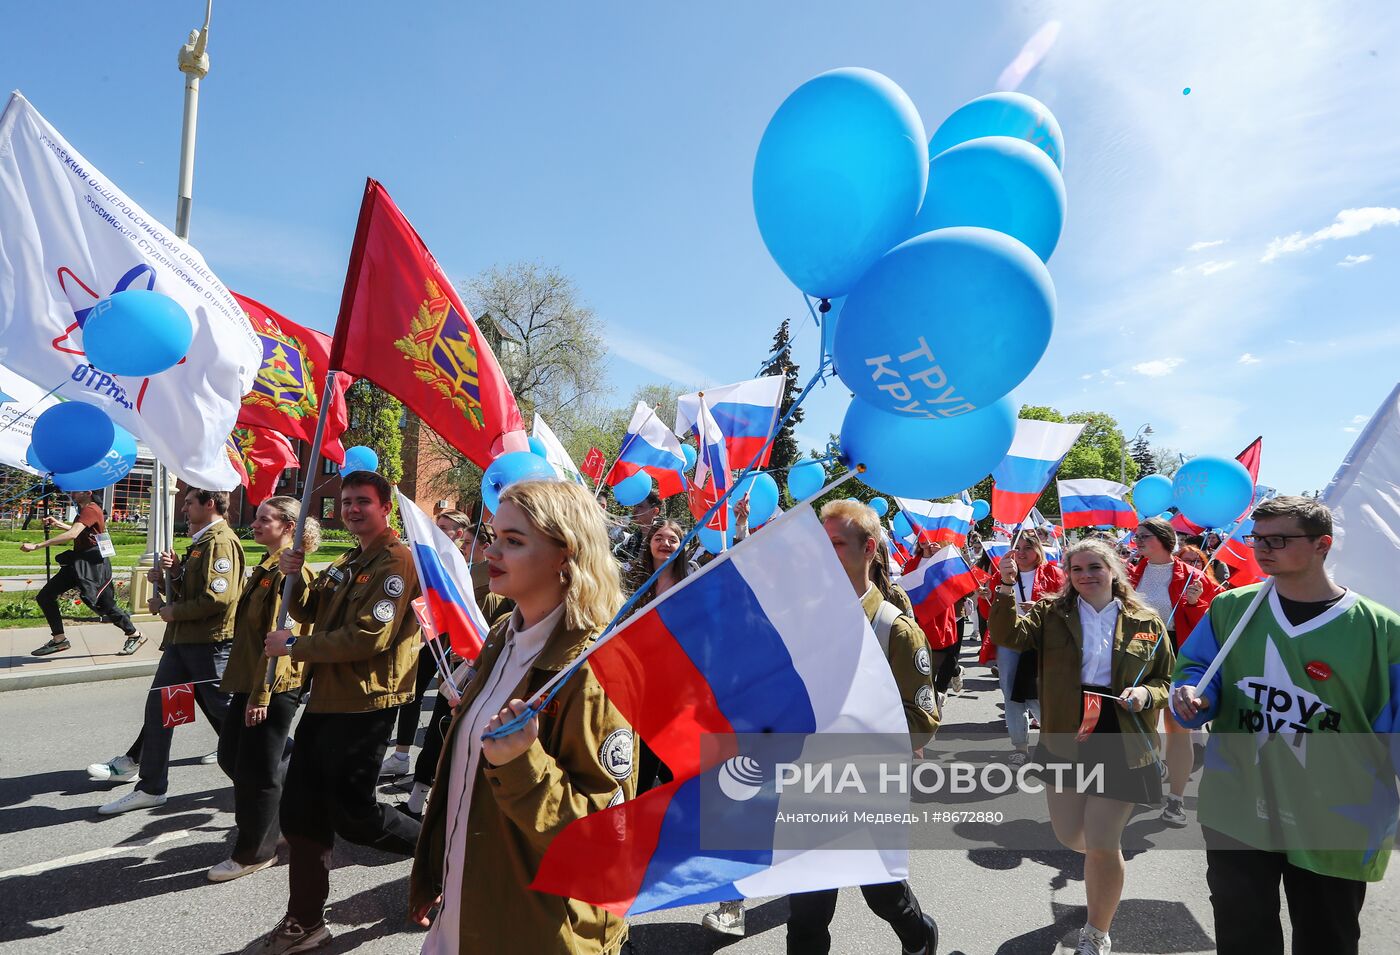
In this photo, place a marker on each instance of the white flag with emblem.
(1365, 500)
(21, 401)
(69, 237)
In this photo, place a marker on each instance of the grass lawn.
(127, 554)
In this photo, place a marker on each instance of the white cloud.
(1205, 268)
(1351, 260)
(1029, 58)
(1248, 359)
(1360, 418)
(1157, 367)
(642, 353)
(1348, 224)
(1086, 377)
(1201, 246)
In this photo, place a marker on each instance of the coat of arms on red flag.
(263, 456)
(402, 326)
(594, 464)
(176, 704)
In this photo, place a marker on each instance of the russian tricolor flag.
(651, 447)
(1035, 455)
(938, 523)
(1092, 502)
(937, 584)
(746, 412)
(711, 472)
(767, 638)
(995, 548)
(446, 581)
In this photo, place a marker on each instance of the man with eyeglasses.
(1299, 784)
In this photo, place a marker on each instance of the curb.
(70, 675)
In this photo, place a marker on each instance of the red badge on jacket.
(1318, 670)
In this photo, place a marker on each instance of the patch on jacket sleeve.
(223, 565)
(615, 754)
(923, 699)
(218, 585)
(393, 585)
(384, 611)
(617, 799)
(921, 661)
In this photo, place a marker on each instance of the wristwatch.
(291, 642)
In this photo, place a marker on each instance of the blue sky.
(1206, 283)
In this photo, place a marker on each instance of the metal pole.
(194, 63)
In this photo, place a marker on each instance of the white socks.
(417, 797)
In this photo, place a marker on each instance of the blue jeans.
(180, 663)
(1016, 725)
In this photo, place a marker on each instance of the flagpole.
(308, 489)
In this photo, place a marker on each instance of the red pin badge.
(1318, 670)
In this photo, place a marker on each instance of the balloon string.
(519, 721)
(25, 413)
(29, 490)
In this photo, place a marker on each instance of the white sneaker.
(395, 764)
(136, 799)
(1093, 942)
(728, 919)
(118, 770)
(1174, 812)
(228, 870)
(955, 685)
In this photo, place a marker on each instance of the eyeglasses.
(1274, 541)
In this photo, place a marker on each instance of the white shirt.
(1155, 588)
(1099, 626)
(1025, 589)
(519, 652)
(205, 529)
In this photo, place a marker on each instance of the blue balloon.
(137, 333)
(714, 541)
(946, 323)
(805, 479)
(111, 468)
(902, 527)
(880, 506)
(33, 461)
(690, 456)
(506, 470)
(839, 177)
(1212, 491)
(537, 447)
(1002, 114)
(632, 490)
(762, 492)
(361, 458)
(828, 326)
(980, 509)
(998, 183)
(71, 436)
(1152, 495)
(916, 457)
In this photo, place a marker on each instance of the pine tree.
(785, 451)
(1142, 453)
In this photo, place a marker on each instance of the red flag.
(235, 457)
(286, 393)
(1250, 458)
(425, 618)
(593, 464)
(1239, 557)
(1093, 707)
(702, 497)
(263, 456)
(176, 704)
(403, 327)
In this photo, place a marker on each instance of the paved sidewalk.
(93, 656)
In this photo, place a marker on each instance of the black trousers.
(330, 791)
(410, 711)
(426, 768)
(945, 664)
(810, 915)
(105, 606)
(201, 664)
(255, 758)
(1325, 911)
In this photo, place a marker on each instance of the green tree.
(785, 449)
(1141, 452)
(377, 421)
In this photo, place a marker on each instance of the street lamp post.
(194, 63)
(1123, 461)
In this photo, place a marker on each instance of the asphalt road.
(73, 881)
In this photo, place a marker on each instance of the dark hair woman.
(1096, 639)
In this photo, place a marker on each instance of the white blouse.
(1099, 626)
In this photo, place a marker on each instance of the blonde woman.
(503, 800)
(253, 739)
(1097, 637)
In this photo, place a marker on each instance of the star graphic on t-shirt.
(1301, 704)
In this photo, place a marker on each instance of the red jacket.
(1049, 580)
(1187, 615)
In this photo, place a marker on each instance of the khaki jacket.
(256, 617)
(584, 761)
(363, 648)
(912, 668)
(1142, 656)
(205, 595)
